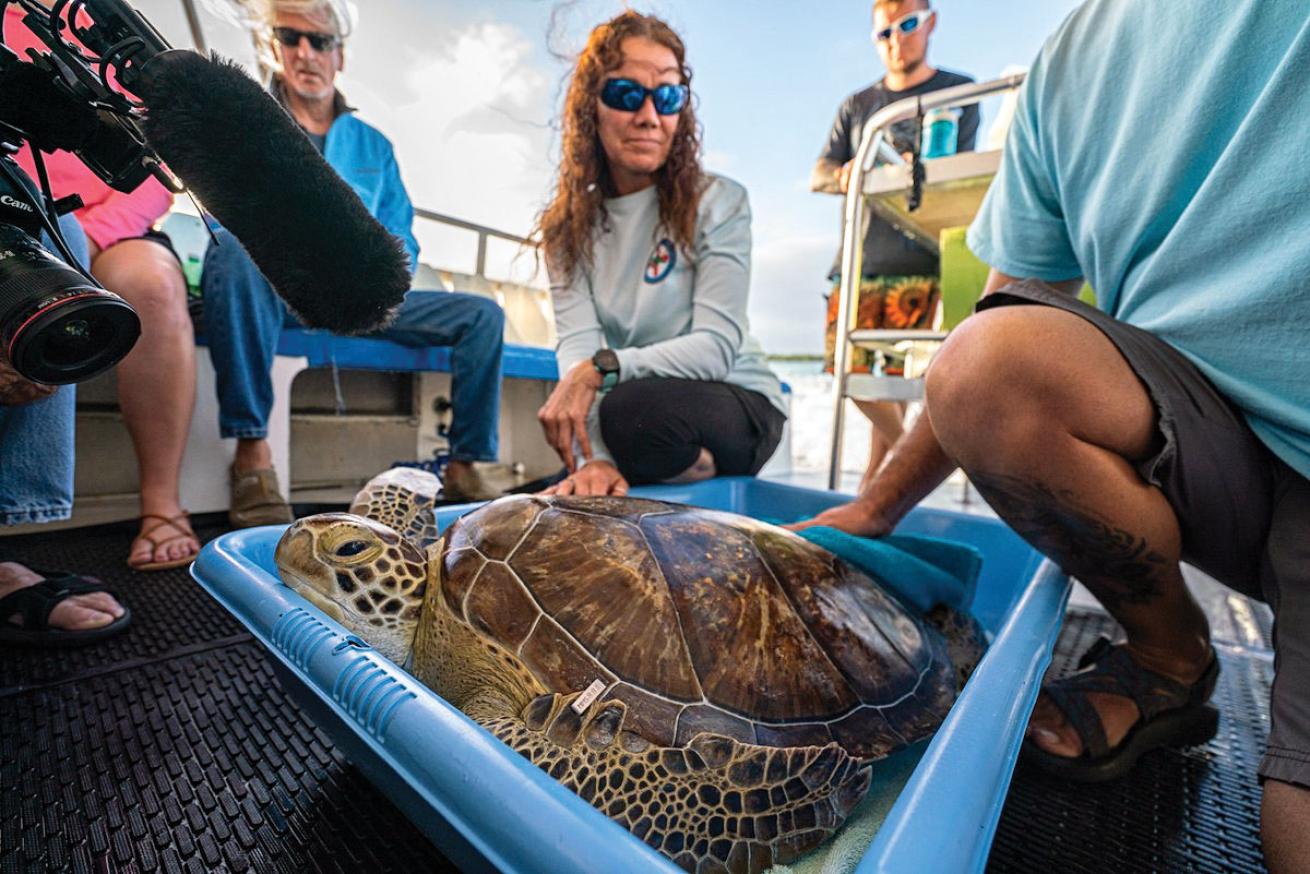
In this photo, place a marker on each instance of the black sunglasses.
(319, 42)
(626, 95)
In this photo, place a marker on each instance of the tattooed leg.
(1047, 418)
(1126, 572)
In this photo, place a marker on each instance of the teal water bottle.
(941, 132)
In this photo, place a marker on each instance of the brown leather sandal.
(179, 524)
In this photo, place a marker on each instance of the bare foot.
(75, 613)
(1051, 731)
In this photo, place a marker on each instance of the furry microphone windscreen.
(253, 168)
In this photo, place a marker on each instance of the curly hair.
(565, 227)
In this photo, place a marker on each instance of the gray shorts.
(1244, 514)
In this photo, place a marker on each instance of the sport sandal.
(1172, 714)
(36, 602)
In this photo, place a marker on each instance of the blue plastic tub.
(486, 807)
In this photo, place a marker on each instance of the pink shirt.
(108, 216)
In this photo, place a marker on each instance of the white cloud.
(787, 285)
(719, 161)
(469, 120)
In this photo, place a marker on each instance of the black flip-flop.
(1172, 714)
(36, 602)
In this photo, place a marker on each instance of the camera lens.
(55, 326)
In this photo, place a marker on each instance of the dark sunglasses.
(905, 25)
(319, 42)
(626, 95)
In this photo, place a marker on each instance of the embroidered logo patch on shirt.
(661, 261)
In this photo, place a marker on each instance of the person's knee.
(646, 433)
(155, 289)
(489, 317)
(624, 412)
(979, 390)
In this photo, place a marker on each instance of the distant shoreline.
(797, 357)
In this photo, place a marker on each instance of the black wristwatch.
(606, 362)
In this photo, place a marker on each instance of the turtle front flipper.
(404, 499)
(714, 805)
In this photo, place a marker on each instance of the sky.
(469, 94)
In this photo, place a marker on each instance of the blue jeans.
(243, 318)
(36, 440)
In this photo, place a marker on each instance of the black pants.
(656, 428)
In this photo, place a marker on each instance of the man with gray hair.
(243, 317)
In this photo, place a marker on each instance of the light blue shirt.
(363, 157)
(1160, 149)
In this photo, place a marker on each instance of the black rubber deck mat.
(171, 614)
(1195, 810)
(198, 764)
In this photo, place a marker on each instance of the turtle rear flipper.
(716, 804)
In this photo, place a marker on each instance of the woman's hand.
(564, 415)
(593, 478)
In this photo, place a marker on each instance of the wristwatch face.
(606, 363)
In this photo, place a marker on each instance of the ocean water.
(811, 420)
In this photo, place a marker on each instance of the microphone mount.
(65, 99)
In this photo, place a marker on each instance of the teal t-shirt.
(1160, 150)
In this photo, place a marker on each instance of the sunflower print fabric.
(897, 302)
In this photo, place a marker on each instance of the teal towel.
(921, 571)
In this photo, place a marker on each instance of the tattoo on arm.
(1120, 567)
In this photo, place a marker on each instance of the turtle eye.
(351, 548)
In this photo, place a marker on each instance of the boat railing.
(873, 147)
(484, 233)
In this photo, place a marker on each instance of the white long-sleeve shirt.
(665, 311)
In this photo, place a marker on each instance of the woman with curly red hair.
(649, 261)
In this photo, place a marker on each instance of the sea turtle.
(713, 683)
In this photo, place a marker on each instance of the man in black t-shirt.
(899, 286)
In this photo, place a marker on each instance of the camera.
(56, 324)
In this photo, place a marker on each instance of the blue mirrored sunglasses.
(905, 25)
(626, 95)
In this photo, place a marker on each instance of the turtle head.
(361, 573)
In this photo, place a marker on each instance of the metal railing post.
(484, 234)
(193, 22)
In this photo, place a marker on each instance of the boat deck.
(173, 748)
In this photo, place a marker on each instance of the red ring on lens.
(13, 339)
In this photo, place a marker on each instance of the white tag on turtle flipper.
(588, 697)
